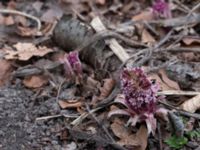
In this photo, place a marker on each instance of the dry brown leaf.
(145, 15)
(24, 51)
(101, 2)
(125, 135)
(147, 37)
(5, 71)
(192, 104)
(191, 40)
(172, 84)
(6, 20)
(107, 88)
(35, 81)
(25, 31)
(65, 104)
(162, 84)
(142, 135)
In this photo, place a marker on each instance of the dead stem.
(98, 122)
(16, 12)
(181, 112)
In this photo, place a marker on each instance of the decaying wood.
(113, 44)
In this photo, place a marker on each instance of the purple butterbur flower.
(161, 9)
(139, 95)
(72, 65)
(75, 62)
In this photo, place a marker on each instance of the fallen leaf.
(192, 104)
(5, 71)
(191, 40)
(101, 2)
(147, 37)
(107, 88)
(144, 15)
(142, 135)
(25, 31)
(172, 84)
(6, 20)
(24, 51)
(125, 135)
(162, 84)
(35, 81)
(65, 104)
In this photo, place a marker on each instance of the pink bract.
(161, 9)
(72, 64)
(139, 96)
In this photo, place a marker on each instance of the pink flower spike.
(161, 9)
(139, 97)
(75, 62)
(67, 67)
(72, 65)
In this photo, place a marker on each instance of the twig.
(16, 12)
(164, 65)
(178, 92)
(110, 34)
(93, 137)
(179, 49)
(147, 51)
(59, 90)
(194, 8)
(55, 116)
(83, 116)
(159, 136)
(182, 5)
(184, 113)
(98, 122)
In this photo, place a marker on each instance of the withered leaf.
(64, 104)
(192, 104)
(24, 51)
(35, 81)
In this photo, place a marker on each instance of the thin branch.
(181, 112)
(16, 12)
(100, 124)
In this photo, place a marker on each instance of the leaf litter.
(78, 91)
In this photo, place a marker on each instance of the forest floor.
(63, 67)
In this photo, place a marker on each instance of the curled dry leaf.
(24, 51)
(174, 85)
(164, 82)
(6, 20)
(107, 88)
(35, 81)
(192, 104)
(64, 104)
(125, 135)
(147, 37)
(142, 135)
(191, 40)
(26, 31)
(101, 2)
(137, 141)
(145, 16)
(5, 71)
